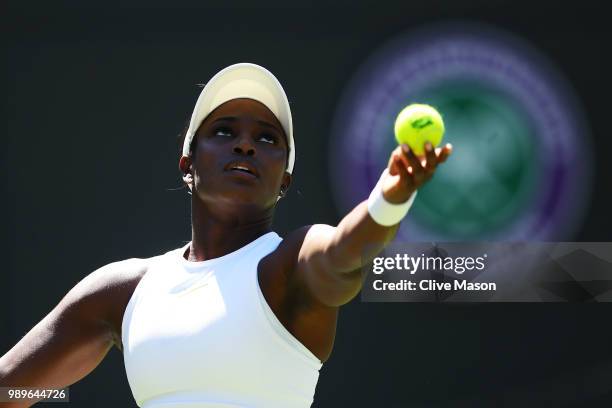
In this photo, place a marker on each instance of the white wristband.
(384, 212)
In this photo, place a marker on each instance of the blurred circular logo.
(521, 163)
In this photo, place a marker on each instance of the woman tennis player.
(239, 317)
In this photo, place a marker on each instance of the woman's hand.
(325, 261)
(407, 172)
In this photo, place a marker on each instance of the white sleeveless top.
(201, 335)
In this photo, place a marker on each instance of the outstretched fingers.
(443, 153)
(415, 166)
(431, 160)
(415, 170)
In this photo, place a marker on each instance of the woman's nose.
(244, 145)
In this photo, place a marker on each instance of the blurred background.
(94, 97)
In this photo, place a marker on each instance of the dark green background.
(92, 98)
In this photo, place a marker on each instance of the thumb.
(395, 164)
(398, 168)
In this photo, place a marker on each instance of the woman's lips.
(242, 167)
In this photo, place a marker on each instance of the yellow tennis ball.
(417, 124)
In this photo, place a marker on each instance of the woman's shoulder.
(106, 291)
(127, 271)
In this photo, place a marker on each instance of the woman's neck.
(214, 235)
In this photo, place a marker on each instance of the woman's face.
(240, 155)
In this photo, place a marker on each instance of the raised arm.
(74, 337)
(329, 259)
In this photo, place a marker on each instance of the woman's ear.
(285, 184)
(187, 170)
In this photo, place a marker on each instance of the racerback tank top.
(201, 335)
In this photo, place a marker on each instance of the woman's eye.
(268, 138)
(223, 132)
